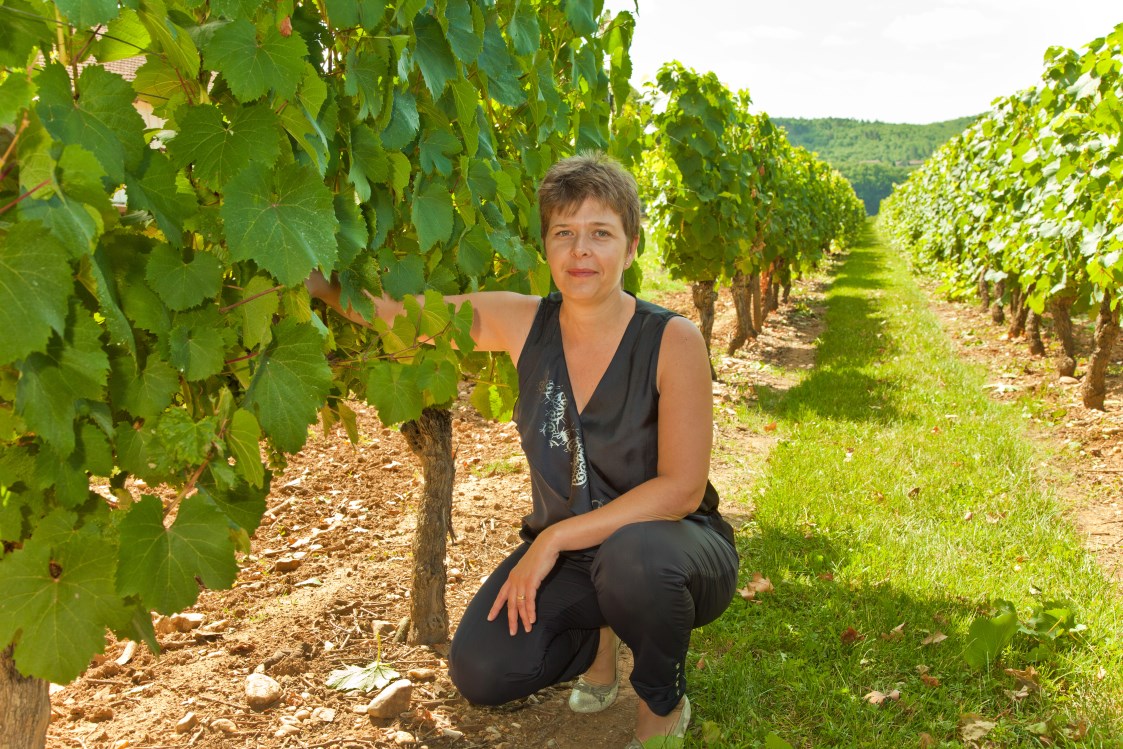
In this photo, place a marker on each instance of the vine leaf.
(35, 283)
(151, 392)
(290, 384)
(58, 598)
(102, 119)
(87, 13)
(243, 437)
(160, 564)
(219, 151)
(431, 214)
(463, 37)
(283, 220)
(393, 389)
(183, 285)
(255, 66)
(433, 55)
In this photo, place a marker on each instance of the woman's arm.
(501, 320)
(685, 440)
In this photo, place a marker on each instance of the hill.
(874, 156)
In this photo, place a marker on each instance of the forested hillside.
(874, 156)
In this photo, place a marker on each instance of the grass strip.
(900, 506)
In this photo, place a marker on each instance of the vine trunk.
(1062, 326)
(1093, 389)
(704, 298)
(742, 300)
(25, 707)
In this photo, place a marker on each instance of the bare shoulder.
(682, 355)
(502, 319)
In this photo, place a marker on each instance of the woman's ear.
(630, 257)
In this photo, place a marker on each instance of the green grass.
(656, 279)
(899, 493)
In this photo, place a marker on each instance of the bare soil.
(350, 510)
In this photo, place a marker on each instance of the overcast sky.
(889, 60)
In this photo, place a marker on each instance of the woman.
(615, 413)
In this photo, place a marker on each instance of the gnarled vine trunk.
(996, 312)
(704, 298)
(1033, 333)
(757, 305)
(1062, 326)
(1093, 389)
(742, 302)
(25, 707)
(430, 439)
(1018, 311)
(983, 290)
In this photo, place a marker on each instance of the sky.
(888, 60)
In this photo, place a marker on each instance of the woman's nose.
(580, 245)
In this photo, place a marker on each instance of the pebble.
(286, 730)
(451, 733)
(286, 564)
(1066, 380)
(422, 674)
(402, 738)
(225, 725)
(381, 627)
(186, 723)
(391, 701)
(261, 691)
(324, 714)
(302, 714)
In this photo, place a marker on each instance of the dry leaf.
(929, 681)
(1026, 678)
(1078, 730)
(968, 515)
(927, 741)
(826, 576)
(936, 430)
(914, 492)
(759, 584)
(973, 727)
(770, 427)
(851, 636)
(934, 638)
(897, 633)
(876, 698)
(701, 664)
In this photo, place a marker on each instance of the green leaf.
(16, 93)
(158, 192)
(404, 275)
(196, 349)
(58, 598)
(219, 151)
(368, 161)
(182, 285)
(151, 392)
(160, 565)
(22, 32)
(125, 37)
(465, 41)
(35, 283)
(235, 8)
(362, 678)
(76, 225)
(73, 368)
(257, 315)
(243, 438)
(772, 741)
(496, 61)
(187, 441)
(254, 67)
(102, 120)
(433, 55)
(282, 220)
(439, 378)
(523, 29)
(581, 16)
(367, 74)
(474, 253)
(431, 215)
(347, 13)
(436, 147)
(400, 170)
(393, 389)
(290, 384)
(989, 636)
(169, 40)
(241, 503)
(404, 122)
(87, 13)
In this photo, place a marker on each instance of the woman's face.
(588, 251)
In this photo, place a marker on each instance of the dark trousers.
(651, 582)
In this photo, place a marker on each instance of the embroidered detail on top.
(560, 434)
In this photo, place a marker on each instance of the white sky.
(889, 60)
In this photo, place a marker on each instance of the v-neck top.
(581, 461)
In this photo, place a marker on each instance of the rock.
(225, 725)
(1066, 380)
(122, 744)
(359, 709)
(403, 738)
(187, 723)
(185, 622)
(451, 733)
(286, 731)
(422, 674)
(384, 628)
(286, 564)
(302, 714)
(391, 701)
(324, 714)
(261, 691)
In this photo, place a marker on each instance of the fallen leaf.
(927, 741)
(759, 584)
(876, 698)
(701, 664)
(849, 455)
(914, 492)
(968, 515)
(826, 576)
(973, 727)
(929, 681)
(770, 427)
(934, 638)
(897, 633)
(1026, 678)
(1017, 696)
(393, 465)
(850, 636)
(877, 496)
(1078, 730)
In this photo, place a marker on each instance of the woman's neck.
(593, 318)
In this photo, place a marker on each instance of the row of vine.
(1025, 207)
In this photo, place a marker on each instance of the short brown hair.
(591, 174)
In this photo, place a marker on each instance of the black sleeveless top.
(580, 461)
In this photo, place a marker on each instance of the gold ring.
(521, 598)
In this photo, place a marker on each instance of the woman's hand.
(519, 591)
